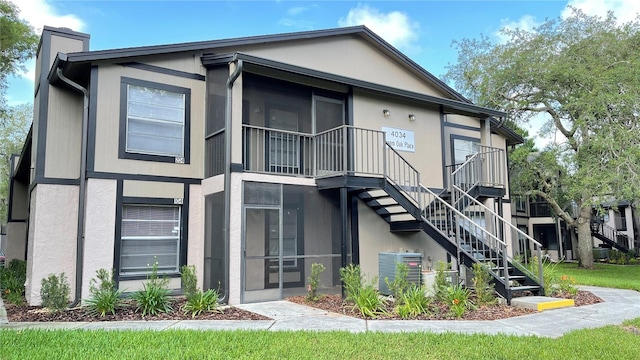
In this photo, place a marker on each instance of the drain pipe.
(227, 168)
(82, 190)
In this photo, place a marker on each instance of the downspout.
(227, 168)
(82, 190)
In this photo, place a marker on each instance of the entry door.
(263, 261)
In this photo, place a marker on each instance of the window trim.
(455, 137)
(122, 146)
(182, 245)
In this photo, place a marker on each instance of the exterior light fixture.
(386, 112)
(412, 117)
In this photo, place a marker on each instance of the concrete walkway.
(618, 305)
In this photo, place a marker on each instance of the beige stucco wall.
(19, 201)
(52, 243)
(108, 124)
(235, 240)
(64, 134)
(100, 223)
(427, 157)
(16, 241)
(152, 189)
(375, 237)
(213, 185)
(345, 56)
(195, 223)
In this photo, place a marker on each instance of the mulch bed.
(127, 313)
(333, 303)
(336, 304)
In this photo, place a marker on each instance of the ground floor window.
(150, 233)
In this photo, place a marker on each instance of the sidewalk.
(618, 305)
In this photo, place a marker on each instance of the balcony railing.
(277, 151)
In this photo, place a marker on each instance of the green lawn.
(605, 275)
(603, 343)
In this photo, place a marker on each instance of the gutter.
(83, 172)
(227, 167)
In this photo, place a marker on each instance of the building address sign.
(400, 139)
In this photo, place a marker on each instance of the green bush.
(154, 296)
(189, 280)
(457, 297)
(202, 301)
(55, 292)
(485, 291)
(440, 282)
(12, 279)
(414, 303)
(104, 297)
(351, 277)
(368, 302)
(314, 281)
(400, 283)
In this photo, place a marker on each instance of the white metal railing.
(487, 167)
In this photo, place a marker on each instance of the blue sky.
(423, 30)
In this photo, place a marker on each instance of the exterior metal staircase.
(390, 186)
(610, 236)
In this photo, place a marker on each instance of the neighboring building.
(251, 159)
(614, 227)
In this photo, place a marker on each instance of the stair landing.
(541, 303)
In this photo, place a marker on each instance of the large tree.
(18, 43)
(581, 76)
(14, 126)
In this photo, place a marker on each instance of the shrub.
(55, 292)
(12, 279)
(202, 301)
(154, 296)
(440, 282)
(485, 291)
(549, 274)
(104, 298)
(314, 281)
(457, 297)
(414, 303)
(566, 285)
(189, 280)
(368, 302)
(400, 283)
(351, 276)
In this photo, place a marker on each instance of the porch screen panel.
(150, 234)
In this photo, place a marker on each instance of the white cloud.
(39, 13)
(527, 22)
(624, 10)
(395, 27)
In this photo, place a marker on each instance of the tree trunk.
(585, 241)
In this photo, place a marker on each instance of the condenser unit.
(387, 268)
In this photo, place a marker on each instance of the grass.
(605, 275)
(602, 343)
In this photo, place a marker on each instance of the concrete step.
(541, 303)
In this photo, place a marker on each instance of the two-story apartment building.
(251, 159)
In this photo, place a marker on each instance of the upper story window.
(154, 121)
(464, 147)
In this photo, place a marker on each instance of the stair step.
(525, 288)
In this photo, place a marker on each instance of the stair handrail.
(411, 181)
(503, 222)
(604, 230)
(487, 159)
(486, 238)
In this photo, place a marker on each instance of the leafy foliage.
(189, 280)
(200, 302)
(580, 75)
(314, 281)
(55, 292)
(414, 303)
(440, 282)
(352, 278)
(457, 297)
(400, 283)
(104, 297)
(485, 292)
(12, 279)
(154, 296)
